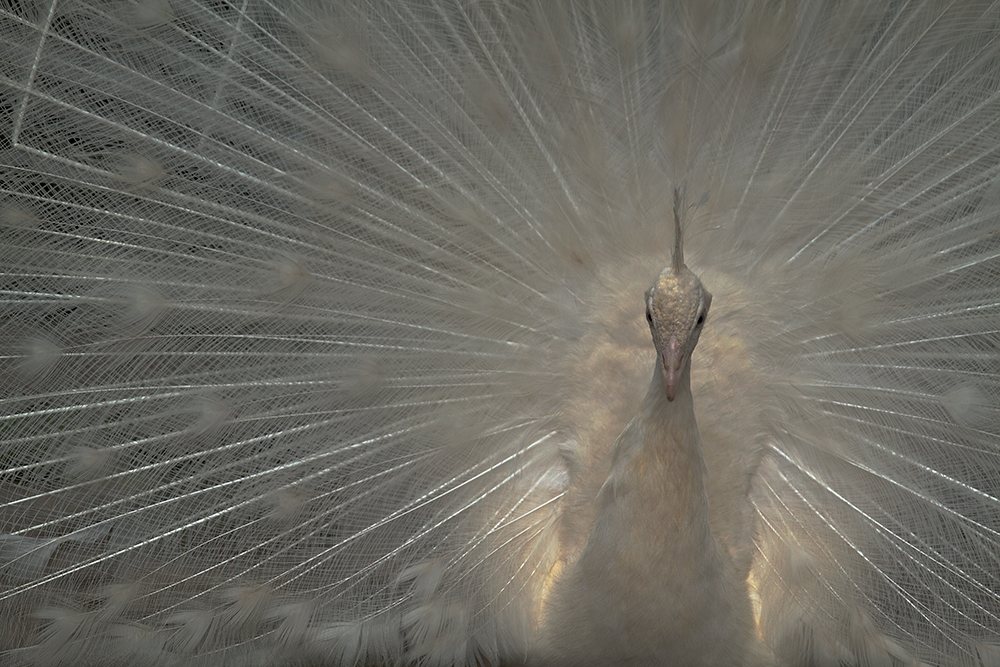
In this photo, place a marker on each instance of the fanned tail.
(320, 319)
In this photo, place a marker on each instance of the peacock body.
(321, 322)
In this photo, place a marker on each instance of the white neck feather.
(651, 583)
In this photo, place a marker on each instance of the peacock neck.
(651, 586)
(657, 465)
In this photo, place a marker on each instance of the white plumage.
(321, 320)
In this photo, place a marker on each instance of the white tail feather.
(320, 319)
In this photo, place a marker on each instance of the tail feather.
(320, 319)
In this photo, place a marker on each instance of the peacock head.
(676, 309)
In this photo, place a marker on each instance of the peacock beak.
(671, 363)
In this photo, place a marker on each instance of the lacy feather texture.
(323, 337)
